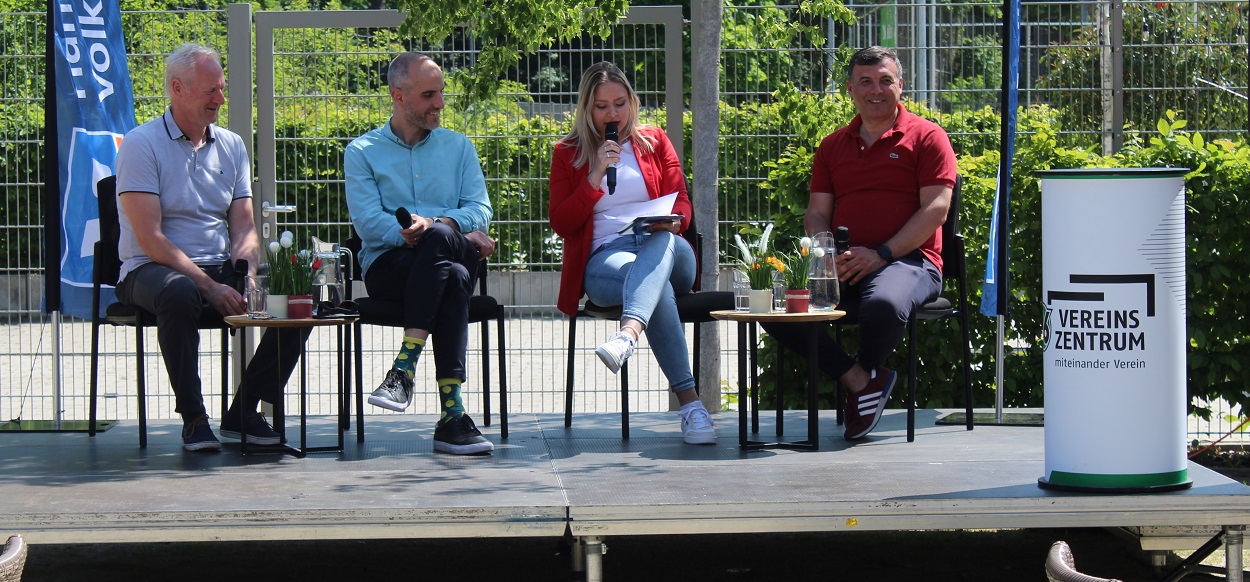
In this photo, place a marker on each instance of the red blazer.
(572, 206)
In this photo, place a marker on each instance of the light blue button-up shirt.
(438, 177)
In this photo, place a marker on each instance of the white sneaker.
(696, 425)
(616, 350)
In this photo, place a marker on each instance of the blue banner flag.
(94, 109)
(994, 292)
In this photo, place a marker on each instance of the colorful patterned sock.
(449, 399)
(408, 355)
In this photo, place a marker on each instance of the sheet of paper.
(620, 217)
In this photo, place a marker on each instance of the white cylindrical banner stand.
(1113, 286)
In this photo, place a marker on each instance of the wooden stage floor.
(546, 480)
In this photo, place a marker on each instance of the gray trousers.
(881, 302)
(176, 302)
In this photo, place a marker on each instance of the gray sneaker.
(395, 392)
(616, 350)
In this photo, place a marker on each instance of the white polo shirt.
(196, 188)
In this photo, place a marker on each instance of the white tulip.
(818, 252)
(274, 247)
(747, 257)
(806, 242)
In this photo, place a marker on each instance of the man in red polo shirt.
(890, 175)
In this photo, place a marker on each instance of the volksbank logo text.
(1081, 320)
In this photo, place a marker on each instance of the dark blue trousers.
(882, 302)
(434, 280)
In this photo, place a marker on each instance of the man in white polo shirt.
(185, 208)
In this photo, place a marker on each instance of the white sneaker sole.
(608, 360)
(204, 446)
(473, 449)
(699, 439)
(388, 404)
(251, 438)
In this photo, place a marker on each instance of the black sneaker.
(198, 436)
(395, 392)
(259, 432)
(459, 436)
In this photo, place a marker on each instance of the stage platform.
(546, 480)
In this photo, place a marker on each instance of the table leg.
(743, 401)
(813, 387)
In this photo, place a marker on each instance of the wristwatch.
(886, 254)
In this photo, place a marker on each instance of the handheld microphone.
(610, 134)
(842, 240)
(404, 217)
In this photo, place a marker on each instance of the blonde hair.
(584, 135)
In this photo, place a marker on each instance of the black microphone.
(609, 133)
(404, 217)
(842, 240)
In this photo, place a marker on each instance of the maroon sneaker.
(864, 408)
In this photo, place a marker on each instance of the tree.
(506, 31)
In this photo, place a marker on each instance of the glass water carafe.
(327, 284)
(822, 274)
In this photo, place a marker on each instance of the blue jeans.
(644, 274)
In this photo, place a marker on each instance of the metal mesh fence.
(1186, 56)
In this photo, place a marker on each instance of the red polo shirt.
(876, 188)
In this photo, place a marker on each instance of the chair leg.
(485, 347)
(503, 377)
(967, 350)
(838, 397)
(911, 377)
(568, 381)
(141, 387)
(625, 401)
(360, 383)
(698, 341)
(95, 375)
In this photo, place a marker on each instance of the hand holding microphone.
(610, 134)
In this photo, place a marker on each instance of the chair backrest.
(696, 242)
(952, 240)
(107, 264)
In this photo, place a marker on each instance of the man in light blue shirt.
(431, 265)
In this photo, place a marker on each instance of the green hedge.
(1218, 265)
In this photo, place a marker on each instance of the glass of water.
(741, 286)
(256, 294)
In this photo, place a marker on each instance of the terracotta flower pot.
(797, 300)
(299, 307)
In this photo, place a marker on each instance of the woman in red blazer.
(642, 271)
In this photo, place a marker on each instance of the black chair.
(694, 307)
(105, 269)
(482, 309)
(954, 268)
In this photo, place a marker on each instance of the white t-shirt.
(630, 189)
